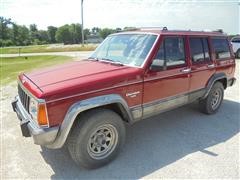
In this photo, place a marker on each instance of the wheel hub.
(99, 139)
(216, 98)
(102, 141)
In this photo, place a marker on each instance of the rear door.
(202, 65)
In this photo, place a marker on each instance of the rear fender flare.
(212, 80)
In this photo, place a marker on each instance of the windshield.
(127, 49)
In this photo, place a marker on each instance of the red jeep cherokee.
(129, 77)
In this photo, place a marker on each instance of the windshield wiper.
(93, 58)
(106, 60)
(112, 61)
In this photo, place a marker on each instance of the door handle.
(211, 66)
(187, 70)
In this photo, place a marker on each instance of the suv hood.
(70, 71)
(79, 77)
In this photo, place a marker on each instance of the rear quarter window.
(221, 48)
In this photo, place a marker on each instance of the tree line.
(12, 34)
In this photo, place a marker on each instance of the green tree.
(76, 33)
(43, 37)
(96, 30)
(51, 31)
(86, 33)
(20, 35)
(105, 32)
(34, 36)
(23, 37)
(63, 34)
(33, 28)
(5, 31)
(69, 34)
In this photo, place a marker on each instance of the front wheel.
(213, 101)
(96, 138)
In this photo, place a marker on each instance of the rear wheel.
(96, 138)
(213, 101)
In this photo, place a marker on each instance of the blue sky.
(186, 14)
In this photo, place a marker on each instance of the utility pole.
(82, 23)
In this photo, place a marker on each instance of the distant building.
(93, 38)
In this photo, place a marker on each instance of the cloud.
(120, 13)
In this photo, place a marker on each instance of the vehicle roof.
(175, 32)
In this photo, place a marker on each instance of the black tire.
(211, 103)
(85, 138)
(238, 53)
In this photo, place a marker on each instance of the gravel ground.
(182, 143)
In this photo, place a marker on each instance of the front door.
(167, 88)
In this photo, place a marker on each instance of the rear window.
(221, 48)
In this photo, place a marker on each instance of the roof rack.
(218, 30)
(166, 29)
(144, 28)
(205, 30)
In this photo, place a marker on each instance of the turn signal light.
(42, 115)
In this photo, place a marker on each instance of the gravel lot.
(182, 143)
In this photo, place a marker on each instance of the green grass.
(47, 48)
(10, 67)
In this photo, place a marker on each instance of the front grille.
(24, 98)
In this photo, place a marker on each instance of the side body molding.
(81, 106)
(212, 80)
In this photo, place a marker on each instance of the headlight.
(33, 108)
(38, 111)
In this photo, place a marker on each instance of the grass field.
(47, 48)
(11, 67)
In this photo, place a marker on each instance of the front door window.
(172, 51)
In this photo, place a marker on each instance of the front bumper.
(41, 136)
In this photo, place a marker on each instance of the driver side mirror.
(157, 65)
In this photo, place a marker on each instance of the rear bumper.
(29, 128)
(231, 82)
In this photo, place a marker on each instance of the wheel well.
(223, 81)
(119, 109)
(116, 107)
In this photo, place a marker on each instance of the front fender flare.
(81, 106)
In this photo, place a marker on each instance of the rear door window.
(199, 49)
(221, 48)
